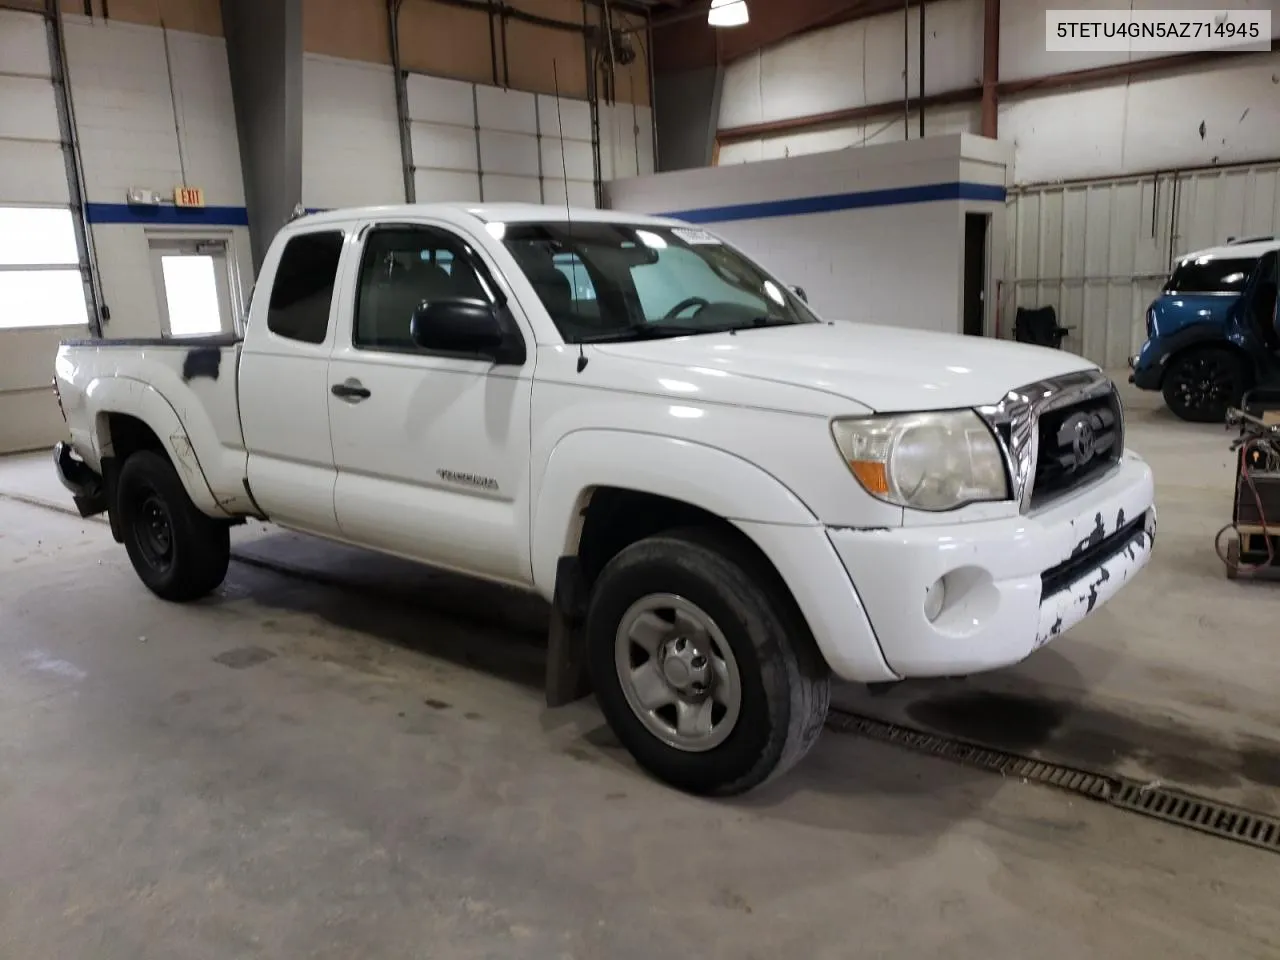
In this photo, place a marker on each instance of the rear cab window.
(1211, 275)
(302, 290)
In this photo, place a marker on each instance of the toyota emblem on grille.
(1083, 440)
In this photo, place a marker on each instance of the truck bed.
(195, 377)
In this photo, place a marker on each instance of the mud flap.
(567, 678)
(111, 478)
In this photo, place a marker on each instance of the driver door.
(431, 449)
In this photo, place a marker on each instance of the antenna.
(564, 173)
(564, 164)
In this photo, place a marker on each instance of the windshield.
(1210, 275)
(604, 282)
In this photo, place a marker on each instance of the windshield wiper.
(650, 331)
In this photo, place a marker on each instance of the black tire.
(178, 552)
(785, 684)
(1201, 383)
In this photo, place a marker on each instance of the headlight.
(926, 461)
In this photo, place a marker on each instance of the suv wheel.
(1202, 383)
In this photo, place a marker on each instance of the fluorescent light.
(728, 13)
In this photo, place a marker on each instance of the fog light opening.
(934, 598)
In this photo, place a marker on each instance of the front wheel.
(1202, 383)
(703, 669)
(177, 551)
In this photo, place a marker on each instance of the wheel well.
(120, 436)
(126, 435)
(615, 518)
(1246, 364)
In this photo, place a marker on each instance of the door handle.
(350, 390)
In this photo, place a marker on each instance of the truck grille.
(1057, 433)
(1076, 443)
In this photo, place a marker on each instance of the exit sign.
(188, 197)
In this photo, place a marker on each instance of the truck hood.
(884, 368)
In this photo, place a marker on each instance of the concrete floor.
(351, 758)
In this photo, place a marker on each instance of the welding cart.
(1255, 513)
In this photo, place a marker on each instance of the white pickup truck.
(725, 498)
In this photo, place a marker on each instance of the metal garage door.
(42, 292)
(1099, 251)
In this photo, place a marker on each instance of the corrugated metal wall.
(1099, 251)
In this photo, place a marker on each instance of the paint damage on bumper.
(1096, 572)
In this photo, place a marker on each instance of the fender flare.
(134, 398)
(721, 483)
(1198, 335)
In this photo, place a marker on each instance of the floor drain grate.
(1162, 803)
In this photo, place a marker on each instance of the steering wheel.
(700, 302)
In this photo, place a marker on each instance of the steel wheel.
(678, 672)
(153, 531)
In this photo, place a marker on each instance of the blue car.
(1211, 334)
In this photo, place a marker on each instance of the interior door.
(431, 449)
(975, 273)
(193, 286)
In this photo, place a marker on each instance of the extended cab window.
(303, 286)
(1210, 275)
(403, 267)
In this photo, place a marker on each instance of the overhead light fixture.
(728, 13)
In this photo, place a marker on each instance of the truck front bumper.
(1008, 586)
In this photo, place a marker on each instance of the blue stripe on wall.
(167, 214)
(830, 203)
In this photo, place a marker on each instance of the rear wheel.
(1202, 383)
(703, 670)
(177, 551)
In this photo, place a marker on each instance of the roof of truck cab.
(1235, 251)
(486, 213)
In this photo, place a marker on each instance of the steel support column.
(264, 54)
(990, 67)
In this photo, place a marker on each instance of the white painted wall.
(472, 141)
(1100, 131)
(350, 140)
(886, 262)
(125, 115)
(854, 65)
(1148, 124)
(1022, 33)
(1096, 250)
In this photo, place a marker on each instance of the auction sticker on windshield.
(697, 237)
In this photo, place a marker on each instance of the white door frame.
(220, 244)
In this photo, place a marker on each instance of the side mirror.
(799, 292)
(463, 325)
